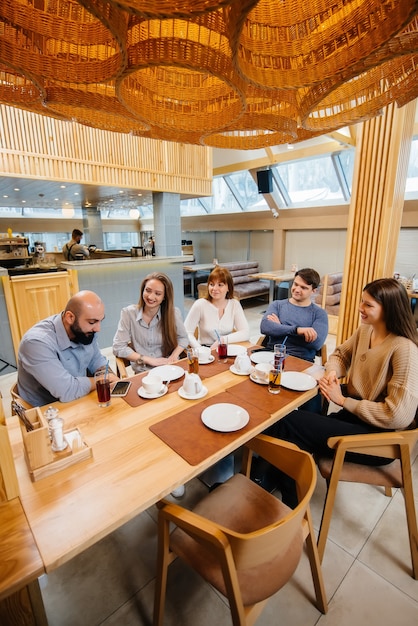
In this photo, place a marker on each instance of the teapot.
(192, 384)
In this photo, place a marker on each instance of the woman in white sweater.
(380, 362)
(217, 315)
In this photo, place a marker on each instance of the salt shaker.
(56, 426)
(50, 414)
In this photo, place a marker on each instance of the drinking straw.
(218, 335)
(107, 369)
(285, 339)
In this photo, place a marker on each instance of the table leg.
(271, 290)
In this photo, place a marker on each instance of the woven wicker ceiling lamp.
(93, 105)
(365, 95)
(295, 44)
(65, 43)
(180, 74)
(173, 8)
(269, 119)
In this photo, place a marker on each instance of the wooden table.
(131, 468)
(274, 276)
(194, 269)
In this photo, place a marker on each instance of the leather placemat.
(205, 371)
(258, 395)
(132, 397)
(186, 434)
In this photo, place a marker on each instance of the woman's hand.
(331, 389)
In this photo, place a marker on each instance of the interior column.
(375, 214)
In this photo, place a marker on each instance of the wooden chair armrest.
(193, 524)
(121, 365)
(385, 444)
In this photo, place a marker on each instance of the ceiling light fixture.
(225, 73)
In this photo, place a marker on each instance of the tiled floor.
(367, 567)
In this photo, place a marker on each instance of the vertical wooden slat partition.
(376, 207)
(35, 146)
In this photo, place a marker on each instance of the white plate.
(195, 396)
(298, 381)
(225, 417)
(150, 396)
(235, 371)
(168, 372)
(262, 357)
(255, 379)
(235, 350)
(210, 360)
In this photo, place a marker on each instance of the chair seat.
(244, 507)
(382, 475)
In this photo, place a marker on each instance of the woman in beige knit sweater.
(380, 362)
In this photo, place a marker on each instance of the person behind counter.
(58, 356)
(380, 361)
(74, 247)
(151, 332)
(219, 313)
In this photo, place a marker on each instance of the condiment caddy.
(48, 447)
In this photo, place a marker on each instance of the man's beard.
(80, 337)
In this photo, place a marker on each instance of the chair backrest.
(254, 548)
(15, 396)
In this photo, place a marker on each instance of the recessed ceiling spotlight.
(62, 186)
(5, 196)
(16, 189)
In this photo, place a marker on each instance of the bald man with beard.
(58, 356)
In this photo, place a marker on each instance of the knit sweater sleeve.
(383, 381)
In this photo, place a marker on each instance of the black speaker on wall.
(265, 181)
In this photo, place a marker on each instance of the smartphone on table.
(120, 389)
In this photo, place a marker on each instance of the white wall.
(407, 256)
(323, 250)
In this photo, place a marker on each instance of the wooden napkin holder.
(40, 458)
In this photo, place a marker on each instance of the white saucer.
(151, 396)
(235, 371)
(257, 380)
(196, 396)
(210, 360)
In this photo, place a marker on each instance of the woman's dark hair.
(168, 318)
(397, 310)
(221, 275)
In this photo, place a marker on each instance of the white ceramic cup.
(261, 371)
(204, 354)
(242, 363)
(152, 383)
(192, 385)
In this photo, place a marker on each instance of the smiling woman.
(152, 332)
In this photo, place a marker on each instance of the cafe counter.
(32, 297)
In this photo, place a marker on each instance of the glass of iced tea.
(275, 379)
(223, 349)
(193, 360)
(102, 381)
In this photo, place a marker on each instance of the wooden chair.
(17, 398)
(395, 445)
(240, 538)
(121, 365)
